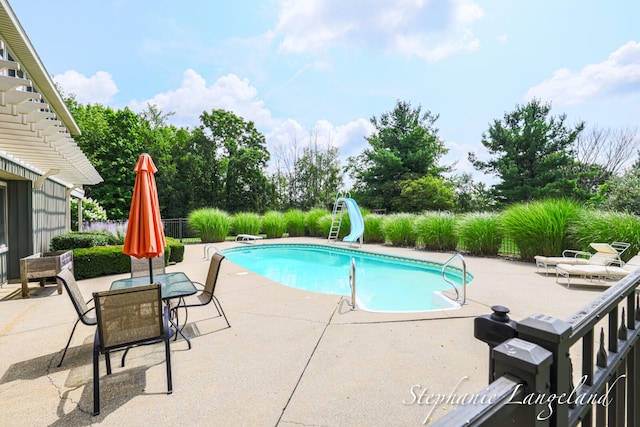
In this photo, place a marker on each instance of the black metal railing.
(178, 229)
(581, 371)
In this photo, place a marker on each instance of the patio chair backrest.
(212, 277)
(70, 284)
(140, 266)
(608, 253)
(129, 316)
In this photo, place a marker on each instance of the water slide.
(355, 217)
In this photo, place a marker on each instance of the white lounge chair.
(606, 253)
(600, 271)
(247, 238)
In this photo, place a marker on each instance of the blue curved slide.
(355, 217)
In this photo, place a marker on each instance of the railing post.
(532, 364)
(494, 329)
(552, 334)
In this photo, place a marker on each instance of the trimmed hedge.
(105, 260)
(99, 261)
(75, 239)
(174, 252)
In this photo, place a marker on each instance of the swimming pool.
(383, 282)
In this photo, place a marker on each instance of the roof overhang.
(36, 127)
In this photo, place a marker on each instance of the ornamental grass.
(605, 227)
(295, 222)
(540, 227)
(373, 231)
(274, 224)
(436, 231)
(211, 225)
(247, 223)
(480, 233)
(312, 222)
(399, 229)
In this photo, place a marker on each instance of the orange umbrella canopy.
(145, 236)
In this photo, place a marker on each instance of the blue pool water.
(383, 283)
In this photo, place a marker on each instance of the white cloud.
(429, 30)
(97, 89)
(194, 96)
(618, 74)
(237, 95)
(348, 138)
(289, 135)
(458, 156)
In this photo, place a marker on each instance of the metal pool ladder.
(464, 277)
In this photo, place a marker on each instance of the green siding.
(33, 216)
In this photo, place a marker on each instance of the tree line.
(222, 162)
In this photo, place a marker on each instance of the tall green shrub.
(246, 223)
(312, 222)
(436, 231)
(274, 224)
(211, 225)
(326, 221)
(540, 227)
(605, 227)
(481, 233)
(295, 222)
(398, 229)
(373, 231)
(324, 225)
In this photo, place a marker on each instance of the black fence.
(545, 371)
(179, 229)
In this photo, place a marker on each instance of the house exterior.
(41, 166)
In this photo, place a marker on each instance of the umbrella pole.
(150, 271)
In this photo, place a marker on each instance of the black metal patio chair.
(82, 308)
(127, 318)
(207, 294)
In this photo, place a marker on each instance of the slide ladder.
(355, 218)
(336, 220)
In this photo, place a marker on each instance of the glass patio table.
(172, 285)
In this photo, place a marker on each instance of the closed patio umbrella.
(145, 236)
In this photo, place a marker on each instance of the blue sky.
(309, 67)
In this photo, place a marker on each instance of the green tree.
(405, 146)
(622, 193)
(319, 176)
(307, 175)
(470, 196)
(243, 156)
(531, 154)
(428, 193)
(112, 142)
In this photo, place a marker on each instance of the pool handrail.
(464, 278)
(352, 283)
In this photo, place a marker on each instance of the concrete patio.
(290, 357)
